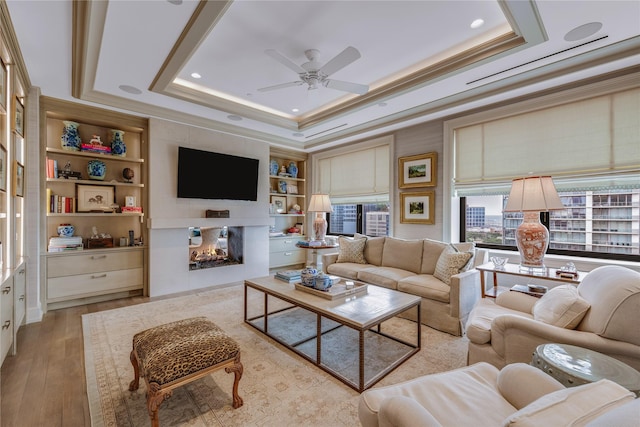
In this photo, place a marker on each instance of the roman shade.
(588, 144)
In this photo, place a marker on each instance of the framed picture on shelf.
(3, 87)
(279, 204)
(418, 208)
(95, 198)
(18, 179)
(3, 168)
(18, 117)
(292, 189)
(418, 171)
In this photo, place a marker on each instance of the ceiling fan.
(314, 74)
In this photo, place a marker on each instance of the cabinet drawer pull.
(100, 276)
(21, 272)
(21, 298)
(287, 254)
(6, 289)
(98, 256)
(6, 324)
(286, 242)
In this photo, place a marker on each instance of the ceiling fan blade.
(346, 86)
(340, 61)
(281, 86)
(285, 61)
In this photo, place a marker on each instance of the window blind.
(587, 144)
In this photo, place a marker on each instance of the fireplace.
(211, 247)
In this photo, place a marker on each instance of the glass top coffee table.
(346, 336)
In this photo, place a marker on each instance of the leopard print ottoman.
(171, 355)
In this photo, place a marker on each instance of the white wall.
(168, 246)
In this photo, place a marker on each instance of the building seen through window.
(371, 219)
(606, 221)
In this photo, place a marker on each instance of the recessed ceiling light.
(477, 23)
(583, 31)
(295, 110)
(130, 89)
(234, 117)
(196, 75)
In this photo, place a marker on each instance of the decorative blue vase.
(273, 168)
(96, 169)
(308, 276)
(282, 187)
(70, 139)
(322, 282)
(293, 169)
(118, 148)
(65, 230)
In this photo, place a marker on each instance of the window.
(371, 219)
(598, 223)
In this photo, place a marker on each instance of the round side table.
(573, 366)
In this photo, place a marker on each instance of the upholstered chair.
(601, 314)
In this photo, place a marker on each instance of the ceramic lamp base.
(532, 239)
(319, 227)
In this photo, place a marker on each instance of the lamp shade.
(319, 203)
(534, 193)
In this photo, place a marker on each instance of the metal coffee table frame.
(331, 310)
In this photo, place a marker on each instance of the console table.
(514, 270)
(573, 366)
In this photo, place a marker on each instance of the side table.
(573, 366)
(317, 259)
(514, 270)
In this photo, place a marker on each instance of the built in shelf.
(92, 155)
(111, 214)
(94, 182)
(165, 223)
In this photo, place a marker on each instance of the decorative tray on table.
(338, 290)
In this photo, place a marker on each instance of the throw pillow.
(561, 306)
(351, 250)
(466, 247)
(450, 263)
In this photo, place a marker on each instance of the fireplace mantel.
(166, 223)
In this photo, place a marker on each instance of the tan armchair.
(509, 328)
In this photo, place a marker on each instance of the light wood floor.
(44, 384)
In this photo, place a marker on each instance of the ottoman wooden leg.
(133, 385)
(155, 397)
(237, 371)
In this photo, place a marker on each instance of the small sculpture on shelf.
(127, 174)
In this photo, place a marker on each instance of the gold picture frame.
(18, 179)
(279, 204)
(418, 207)
(418, 171)
(18, 116)
(95, 198)
(3, 169)
(3, 87)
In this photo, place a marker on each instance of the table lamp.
(532, 195)
(320, 203)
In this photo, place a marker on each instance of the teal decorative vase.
(70, 139)
(118, 147)
(96, 169)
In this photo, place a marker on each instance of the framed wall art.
(18, 179)
(92, 198)
(3, 168)
(18, 116)
(418, 171)
(279, 204)
(3, 88)
(418, 208)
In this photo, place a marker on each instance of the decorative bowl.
(308, 276)
(322, 282)
(65, 230)
(499, 261)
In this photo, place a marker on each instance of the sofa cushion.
(613, 308)
(373, 248)
(574, 406)
(431, 250)
(561, 306)
(469, 247)
(402, 254)
(348, 270)
(622, 416)
(387, 277)
(450, 262)
(479, 323)
(425, 286)
(351, 250)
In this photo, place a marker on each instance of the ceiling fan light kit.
(314, 74)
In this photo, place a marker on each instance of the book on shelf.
(60, 204)
(125, 209)
(65, 248)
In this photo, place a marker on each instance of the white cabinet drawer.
(6, 318)
(279, 245)
(98, 283)
(277, 259)
(93, 262)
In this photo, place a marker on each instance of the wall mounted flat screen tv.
(209, 175)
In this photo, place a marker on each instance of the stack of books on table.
(289, 276)
(62, 244)
(309, 243)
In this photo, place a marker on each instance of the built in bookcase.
(287, 191)
(110, 266)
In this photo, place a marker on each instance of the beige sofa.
(480, 395)
(410, 266)
(601, 314)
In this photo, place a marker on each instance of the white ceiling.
(420, 59)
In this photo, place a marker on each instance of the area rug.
(278, 386)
